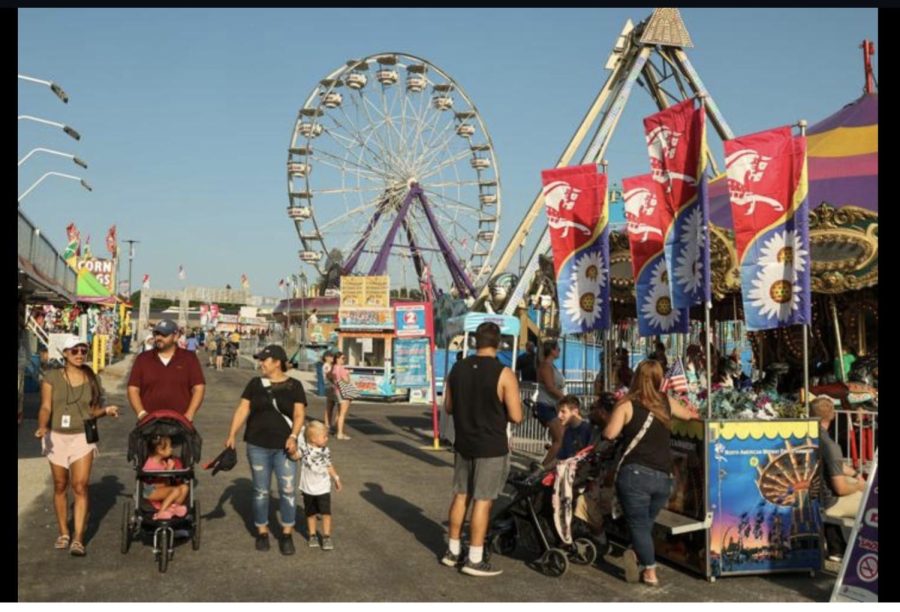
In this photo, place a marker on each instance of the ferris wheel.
(391, 170)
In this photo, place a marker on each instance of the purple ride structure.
(391, 170)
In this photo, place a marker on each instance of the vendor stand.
(366, 335)
(742, 500)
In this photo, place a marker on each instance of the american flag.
(675, 379)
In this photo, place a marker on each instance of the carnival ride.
(843, 198)
(391, 169)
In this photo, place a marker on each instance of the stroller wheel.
(127, 516)
(554, 563)
(584, 552)
(163, 550)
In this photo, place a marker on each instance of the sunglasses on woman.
(79, 350)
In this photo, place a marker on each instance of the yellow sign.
(353, 291)
(365, 292)
(378, 290)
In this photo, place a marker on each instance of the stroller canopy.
(164, 423)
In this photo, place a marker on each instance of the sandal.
(62, 542)
(77, 549)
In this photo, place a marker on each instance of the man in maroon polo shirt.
(166, 377)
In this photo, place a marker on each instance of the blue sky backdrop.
(186, 114)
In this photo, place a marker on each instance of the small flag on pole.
(112, 242)
(146, 282)
(245, 283)
(675, 379)
(181, 273)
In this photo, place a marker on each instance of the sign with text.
(103, 269)
(411, 362)
(365, 292)
(410, 320)
(858, 580)
(365, 303)
(366, 318)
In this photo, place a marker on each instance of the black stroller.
(527, 521)
(137, 515)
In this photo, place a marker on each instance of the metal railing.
(35, 248)
(857, 431)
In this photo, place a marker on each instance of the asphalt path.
(389, 529)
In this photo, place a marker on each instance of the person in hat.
(166, 377)
(69, 396)
(273, 406)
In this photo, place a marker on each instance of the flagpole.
(802, 124)
(707, 303)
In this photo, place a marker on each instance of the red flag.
(760, 172)
(647, 218)
(674, 142)
(111, 241)
(570, 200)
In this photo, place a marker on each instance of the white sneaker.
(482, 568)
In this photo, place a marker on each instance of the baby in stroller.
(167, 494)
(163, 448)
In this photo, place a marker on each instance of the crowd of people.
(481, 395)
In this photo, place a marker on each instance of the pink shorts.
(64, 449)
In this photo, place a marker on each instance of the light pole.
(78, 161)
(131, 244)
(68, 176)
(65, 128)
(56, 89)
(302, 314)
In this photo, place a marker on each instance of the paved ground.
(390, 525)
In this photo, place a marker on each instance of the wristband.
(141, 414)
(292, 437)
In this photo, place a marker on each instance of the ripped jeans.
(264, 461)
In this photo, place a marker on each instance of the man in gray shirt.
(843, 489)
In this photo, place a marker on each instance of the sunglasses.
(78, 350)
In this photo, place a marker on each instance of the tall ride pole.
(802, 124)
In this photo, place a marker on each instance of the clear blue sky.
(186, 114)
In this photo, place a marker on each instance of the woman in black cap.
(274, 407)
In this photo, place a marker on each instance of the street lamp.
(131, 244)
(56, 89)
(79, 162)
(302, 314)
(65, 128)
(68, 176)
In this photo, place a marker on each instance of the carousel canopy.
(843, 162)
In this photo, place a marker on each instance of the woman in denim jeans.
(644, 482)
(271, 438)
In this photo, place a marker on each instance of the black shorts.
(317, 504)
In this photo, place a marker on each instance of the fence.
(529, 436)
(856, 431)
(35, 248)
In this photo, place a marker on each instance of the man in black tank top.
(482, 395)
